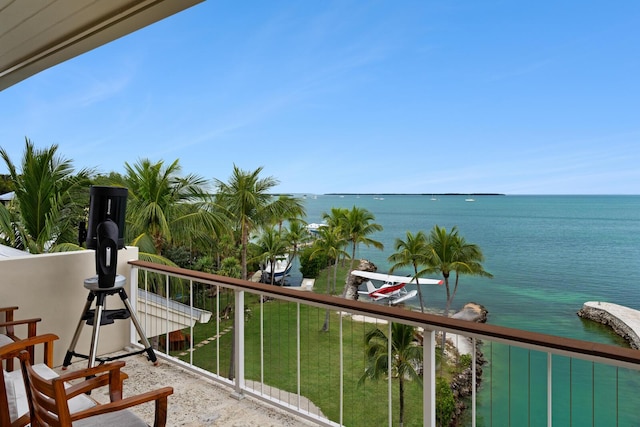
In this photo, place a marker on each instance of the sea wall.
(623, 320)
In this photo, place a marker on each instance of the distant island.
(414, 194)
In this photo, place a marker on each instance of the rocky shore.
(623, 320)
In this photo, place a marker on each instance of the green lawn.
(319, 357)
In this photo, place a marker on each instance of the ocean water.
(548, 255)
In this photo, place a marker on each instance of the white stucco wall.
(50, 286)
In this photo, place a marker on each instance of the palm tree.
(296, 235)
(358, 225)
(449, 252)
(406, 358)
(286, 208)
(336, 219)
(330, 243)
(246, 196)
(411, 252)
(46, 210)
(166, 208)
(272, 245)
(470, 259)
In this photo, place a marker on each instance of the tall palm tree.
(336, 219)
(49, 201)
(470, 262)
(355, 225)
(286, 208)
(167, 208)
(271, 245)
(449, 252)
(411, 252)
(358, 226)
(331, 243)
(296, 235)
(406, 358)
(246, 196)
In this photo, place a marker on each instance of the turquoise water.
(548, 255)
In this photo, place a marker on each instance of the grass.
(319, 357)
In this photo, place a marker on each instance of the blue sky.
(357, 96)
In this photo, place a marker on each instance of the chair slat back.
(47, 398)
(10, 352)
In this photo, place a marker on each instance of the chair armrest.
(13, 350)
(159, 396)
(10, 323)
(88, 372)
(20, 322)
(10, 351)
(31, 327)
(90, 384)
(98, 376)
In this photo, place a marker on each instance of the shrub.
(311, 267)
(464, 361)
(445, 403)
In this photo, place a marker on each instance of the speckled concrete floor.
(196, 401)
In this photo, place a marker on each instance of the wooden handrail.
(604, 353)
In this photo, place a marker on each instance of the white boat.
(281, 267)
(314, 227)
(470, 200)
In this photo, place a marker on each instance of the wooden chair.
(49, 398)
(9, 334)
(14, 407)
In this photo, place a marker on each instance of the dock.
(623, 320)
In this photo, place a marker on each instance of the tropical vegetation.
(233, 228)
(347, 227)
(448, 252)
(47, 207)
(411, 252)
(405, 357)
(166, 210)
(248, 199)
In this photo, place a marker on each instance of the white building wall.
(50, 286)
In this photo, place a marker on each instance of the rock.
(353, 282)
(472, 312)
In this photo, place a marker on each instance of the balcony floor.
(196, 401)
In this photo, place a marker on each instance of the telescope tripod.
(99, 316)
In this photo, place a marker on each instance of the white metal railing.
(524, 382)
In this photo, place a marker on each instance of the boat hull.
(281, 268)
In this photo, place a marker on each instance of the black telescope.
(105, 234)
(105, 231)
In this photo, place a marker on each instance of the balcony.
(280, 362)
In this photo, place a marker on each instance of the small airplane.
(393, 287)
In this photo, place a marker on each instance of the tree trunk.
(245, 241)
(415, 269)
(325, 326)
(401, 381)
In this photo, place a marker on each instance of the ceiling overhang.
(38, 34)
